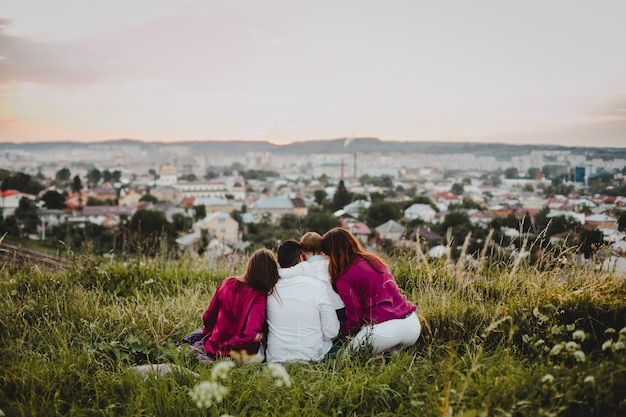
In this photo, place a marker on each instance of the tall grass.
(499, 339)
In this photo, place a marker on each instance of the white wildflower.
(623, 332)
(610, 330)
(570, 327)
(572, 346)
(221, 368)
(525, 338)
(205, 393)
(539, 342)
(279, 373)
(589, 380)
(556, 330)
(579, 335)
(579, 355)
(556, 349)
(618, 345)
(607, 344)
(547, 378)
(148, 282)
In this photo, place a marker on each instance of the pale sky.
(533, 71)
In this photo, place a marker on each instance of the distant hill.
(339, 145)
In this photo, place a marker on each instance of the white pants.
(388, 335)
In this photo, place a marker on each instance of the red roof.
(7, 193)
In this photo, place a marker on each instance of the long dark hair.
(342, 248)
(261, 271)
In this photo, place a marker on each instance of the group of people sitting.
(317, 294)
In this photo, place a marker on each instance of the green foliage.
(70, 341)
(53, 199)
(20, 181)
(380, 212)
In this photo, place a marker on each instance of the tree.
(621, 221)
(93, 177)
(320, 196)
(26, 213)
(200, 211)
(63, 176)
(147, 228)
(511, 173)
(319, 221)
(382, 211)
(532, 173)
(53, 200)
(77, 184)
(457, 188)
(342, 197)
(181, 222)
(22, 182)
(149, 198)
(458, 223)
(590, 241)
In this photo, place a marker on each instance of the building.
(219, 225)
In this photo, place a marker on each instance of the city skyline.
(484, 71)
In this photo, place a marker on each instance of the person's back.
(300, 315)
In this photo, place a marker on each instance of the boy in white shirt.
(300, 314)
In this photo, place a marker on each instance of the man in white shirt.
(301, 317)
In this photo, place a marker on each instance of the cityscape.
(217, 194)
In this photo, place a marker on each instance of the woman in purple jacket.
(377, 314)
(235, 317)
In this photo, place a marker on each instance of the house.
(299, 207)
(357, 228)
(355, 208)
(106, 192)
(391, 230)
(214, 204)
(420, 211)
(602, 221)
(272, 207)
(129, 198)
(167, 193)
(220, 225)
(10, 200)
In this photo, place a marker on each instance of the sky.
(523, 72)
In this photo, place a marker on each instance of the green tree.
(511, 173)
(147, 228)
(63, 176)
(53, 200)
(77, 184)
(621, 220)
(457, 188)
(319, 221)
(342, 197)
(26, 214)
(200, 211)
(93, 177)
(149, 198)
(181, 222)
(382, 211)
(458, 222)
(20, 181)
(320, 196)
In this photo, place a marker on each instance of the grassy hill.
(498, 340)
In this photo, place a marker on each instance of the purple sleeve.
(210, 315)
(351, 298)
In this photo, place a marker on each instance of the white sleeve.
(328, 315)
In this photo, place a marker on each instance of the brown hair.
(261, 271)
(342, 248)
(311, 242)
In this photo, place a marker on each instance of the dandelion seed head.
(572, 346)
(579, 335)
(205, 393)
(220, 369)
(279, 373)
(556, 349)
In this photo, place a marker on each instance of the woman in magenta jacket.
(377, 314)
(235, 317)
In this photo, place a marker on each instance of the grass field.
(501, 339)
